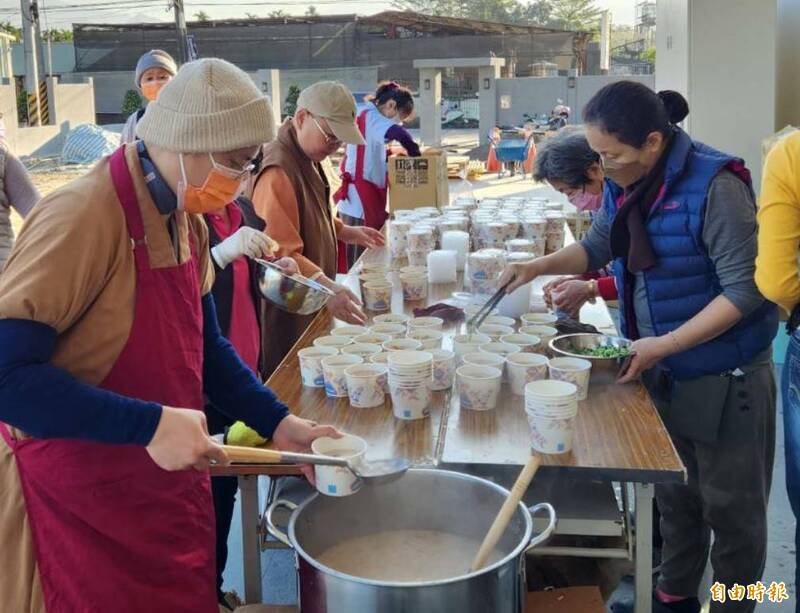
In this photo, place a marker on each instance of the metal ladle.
(372, 472)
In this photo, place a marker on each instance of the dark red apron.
(373, 198)
(111, 530)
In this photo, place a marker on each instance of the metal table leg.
(644, 546)
(251, 554)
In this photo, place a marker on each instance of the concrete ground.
(278, 565)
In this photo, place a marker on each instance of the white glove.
(245, 241)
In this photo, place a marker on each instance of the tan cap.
(333, 102)
(209, 106)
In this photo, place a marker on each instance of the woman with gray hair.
(571, 167)
(568, 164)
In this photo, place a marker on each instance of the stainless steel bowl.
(603, 369)
(293, 294)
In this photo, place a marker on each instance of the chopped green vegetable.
(603, 352)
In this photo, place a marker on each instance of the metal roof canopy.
(430, 24)
(461, 62)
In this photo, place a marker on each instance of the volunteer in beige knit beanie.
(204, 131)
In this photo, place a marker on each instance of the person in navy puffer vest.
(678, 222)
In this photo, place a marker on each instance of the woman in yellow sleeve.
(778, 278)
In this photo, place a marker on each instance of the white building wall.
(729, 76)
(788, 76)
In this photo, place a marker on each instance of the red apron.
(111, 530)
(373, 198)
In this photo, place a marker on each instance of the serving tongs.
(474, 322)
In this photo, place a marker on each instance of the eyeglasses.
(251, 167)
(254, 165)
(330, 139)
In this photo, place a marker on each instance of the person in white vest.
(16, 190)
(362, 197)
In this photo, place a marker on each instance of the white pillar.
(430, 100)
(788, 77)
(487, 101)
(605, 41)
(31, 62)
(52, 99)
(269, 80)
(6, 63)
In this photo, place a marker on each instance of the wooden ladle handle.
(252, 455)
(506, 512)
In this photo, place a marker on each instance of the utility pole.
(31, 62)
(605, 42)
(37, 22)
(180, 27)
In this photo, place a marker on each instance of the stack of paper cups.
(458, 241)
(442, 266)
(551, 407)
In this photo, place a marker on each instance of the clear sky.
(126, 11)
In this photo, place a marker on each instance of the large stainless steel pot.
(424, 499)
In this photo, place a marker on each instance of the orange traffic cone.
(492, 163)
(527, 165)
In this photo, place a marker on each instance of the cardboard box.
(566, 600)
(420, 181)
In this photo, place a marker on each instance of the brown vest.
(281, 329)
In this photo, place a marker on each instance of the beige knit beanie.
(209, 106)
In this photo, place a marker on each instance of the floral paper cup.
(572, 370)
(523, 368)
(378, 295)
(435, 323)
(410, 402)
(393, 330)
(338, 480)
(420, 270)
(361, 349)
(372, 338)
(374, 267)
(444, 369)
(495, 331)
(420, 240)
(333, 368)
(481, 358)
(333, 341)
(365, 384)
(478, 387)
(383, 359)
(350, 331)
(551, 435)
(367, 277)
(468, 343)
(500, 320)
(402, 344)
(417, 258)
(503, 349)
(538, 319)
(430, 338)
(527, 342)
(311, 364)
(415, 286)
(546, 333)
(484, 268)
(391, 318)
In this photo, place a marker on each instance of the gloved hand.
(245, 241)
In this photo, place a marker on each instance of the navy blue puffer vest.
(684, 281)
